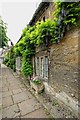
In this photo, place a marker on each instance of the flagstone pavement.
(15, 99)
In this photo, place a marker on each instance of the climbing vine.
(10, 59)
(65, 15)
(44, 33)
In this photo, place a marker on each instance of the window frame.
(42, 67)
(46, 67)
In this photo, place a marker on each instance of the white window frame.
(46, 67)
(37, 65)
(41, 67)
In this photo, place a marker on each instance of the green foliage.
(16, 50)
(41, 30)
(37, 81)
(10, 59)
(6, 60)
(27, 69)
(54, 103)
(43, 33)
(65, 15)
(3, 37)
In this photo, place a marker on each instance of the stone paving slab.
(21, 96)
(23, 89)
(36, 114)
(0, 90)
(22, 86)
(6, 84)
(0, 95)
(0, 104)
(0, 114)
(4, 89)
(0, 101)
(28, 106)
(11, 112)
(13, 82)
(7, 101)
(6, 94)
(13, 87)
(0, 82)
(16, 91)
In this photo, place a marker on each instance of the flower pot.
(37, 87)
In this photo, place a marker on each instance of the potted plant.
(37, 85)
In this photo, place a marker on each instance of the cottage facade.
(57, 64)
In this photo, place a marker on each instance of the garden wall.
(63, 69)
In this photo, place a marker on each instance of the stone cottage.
(57, 64)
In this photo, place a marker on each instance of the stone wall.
(62, 79)
(46, 11)
(49, 11)
(63, 69)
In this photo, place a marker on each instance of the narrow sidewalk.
(17, 101)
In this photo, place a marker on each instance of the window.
(46, 66)
(37, 65)
(41, 68)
